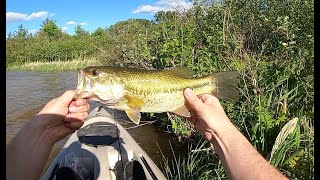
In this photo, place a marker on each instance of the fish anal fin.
(134, 116)
(182, 72)
(134, 103)
(182, 111)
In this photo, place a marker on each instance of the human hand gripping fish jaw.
(138, 90)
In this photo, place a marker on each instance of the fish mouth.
(84, 90)
(84, 86)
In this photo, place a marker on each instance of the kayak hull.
(106, 151)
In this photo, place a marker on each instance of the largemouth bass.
(137, 90)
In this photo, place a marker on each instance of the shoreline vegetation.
(54, 66)
(270, 43)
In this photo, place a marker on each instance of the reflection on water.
(28, 92)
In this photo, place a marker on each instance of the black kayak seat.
(98, 134)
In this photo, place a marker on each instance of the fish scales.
(162, 91)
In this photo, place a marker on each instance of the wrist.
(40, 130)
(227, 129)
(29, 151)
(227, 138)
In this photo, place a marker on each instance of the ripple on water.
(27, 92)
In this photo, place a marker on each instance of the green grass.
(74, 64)
(268, 102)
(288, 138)
(181, 127)
(200, 163)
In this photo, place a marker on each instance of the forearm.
(240, 159)
(28, 153)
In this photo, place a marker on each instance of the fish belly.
(168, 102)
(166, 96)
(163, 102)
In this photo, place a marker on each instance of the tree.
(21, 33)
(163, 16)
(99, 32)
(50, 28)
(80, 32)
(10, 35)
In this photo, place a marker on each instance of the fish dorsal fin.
(181, 72)
(182, 111)
(134, 103)
(134, 116)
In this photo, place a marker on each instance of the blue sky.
(90, 14)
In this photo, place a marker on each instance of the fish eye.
(94, 72)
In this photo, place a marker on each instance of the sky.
(89, 14)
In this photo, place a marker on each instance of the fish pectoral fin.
(134, 102)
(182, 111)
(134, 116)
(182, 72)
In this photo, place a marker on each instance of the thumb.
(192, 100)
(66, 98)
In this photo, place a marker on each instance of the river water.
(27, 92)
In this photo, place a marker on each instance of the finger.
(52, 100)
(66, 98)
(81, 102)
(192, 100)
(74, 125)
(69, 130)
(73, 103)
(194, 120)
(209, 99)
(76, 109)
(76, 117)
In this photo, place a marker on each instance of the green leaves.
(181, 127)
(80, 32)
(21, 33)
(50, 28)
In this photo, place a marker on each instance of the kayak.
(102, 149)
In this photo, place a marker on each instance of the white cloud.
(14, 17)
(164, 5)
(72, 23)
(64, 28)
(83, 24)
(33, 31)
(147, 9)
(40, 14)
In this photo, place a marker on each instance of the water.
(28, 92)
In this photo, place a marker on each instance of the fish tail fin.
(226, 85)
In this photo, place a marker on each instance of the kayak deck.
(105, 149)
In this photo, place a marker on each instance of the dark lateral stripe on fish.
(166, 90)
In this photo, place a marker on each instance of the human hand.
(207, 114)
(62, 116)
